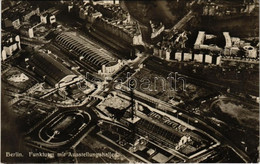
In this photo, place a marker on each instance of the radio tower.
(132, 103)
(132, 114)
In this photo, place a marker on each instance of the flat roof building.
(10, 44)
(228, 40)
(200, 39)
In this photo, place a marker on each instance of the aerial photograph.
(130, 81)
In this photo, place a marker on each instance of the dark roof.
(10, 15)
(45, 65)
(18, 10)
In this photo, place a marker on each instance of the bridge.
(183, 21)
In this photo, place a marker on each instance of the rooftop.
(47, 66)
(18, 10)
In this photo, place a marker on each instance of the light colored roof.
(200, 38)
(228, 39)
(160, 158)
(85, 48)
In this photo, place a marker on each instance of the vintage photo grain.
(130, 81)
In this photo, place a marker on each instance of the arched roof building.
(85, 49)
(54, 72)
